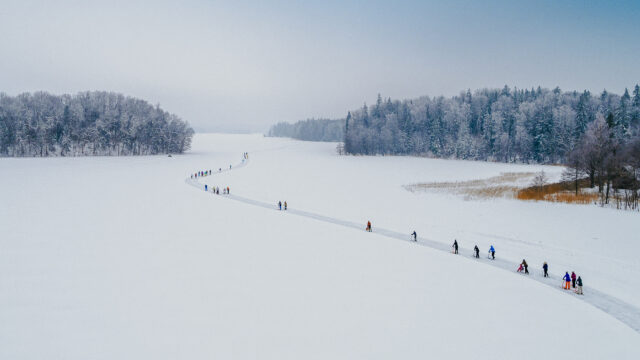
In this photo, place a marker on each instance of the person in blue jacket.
(567, 281)
(492, 251)
(205, 187)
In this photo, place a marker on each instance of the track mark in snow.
(619, 309)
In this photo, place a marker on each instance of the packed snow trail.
(619, 309)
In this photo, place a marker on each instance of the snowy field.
(120, 258)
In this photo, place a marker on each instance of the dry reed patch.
(503, 185)
(559, 192)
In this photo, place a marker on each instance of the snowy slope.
(107, 258)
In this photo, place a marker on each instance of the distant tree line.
(89, 123)
(537, 125)
(311, 130)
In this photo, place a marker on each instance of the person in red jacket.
(369, 226)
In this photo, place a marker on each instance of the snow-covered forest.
(310, 130)
(89, 123)
(510, 125)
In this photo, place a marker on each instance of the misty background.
(245, 65)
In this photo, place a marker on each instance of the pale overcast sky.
(244, 65)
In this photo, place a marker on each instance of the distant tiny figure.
(285, 205)
(476, 250)
(573, 279)
(415, 236)
(567, 281)
(545, 268)
(279, 205)
(492, 252)
(369, 226)
(229, 166)
(520, 268)
(455, 246)
(526, 266)
(579, 289)
(227, 190)
(205, 187)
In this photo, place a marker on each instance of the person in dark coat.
(476, 251)
(526, 266)
(545, 267)
(455, 246)
(579, 283)
(415, 236)
(573, 279)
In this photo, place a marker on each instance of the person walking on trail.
(545, 268)
(285, 205)
(492, 251)
(279, 205)
(415, 236)
(227, 190)
(476, 251)
(567, 281)
(526, 266)
(579, 288)
(520, 268)
(369, 226)
(205, 187)
(455, 246)
(573, 279)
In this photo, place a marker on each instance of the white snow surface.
(105, 258)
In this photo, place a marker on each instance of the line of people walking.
(573, 281)
(216, 189)
(570, 281)
(200, 174)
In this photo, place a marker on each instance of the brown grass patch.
(559, 192)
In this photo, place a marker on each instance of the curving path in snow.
(619, 309)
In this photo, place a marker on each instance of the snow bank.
(107, 258)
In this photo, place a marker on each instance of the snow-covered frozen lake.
(104, 258)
